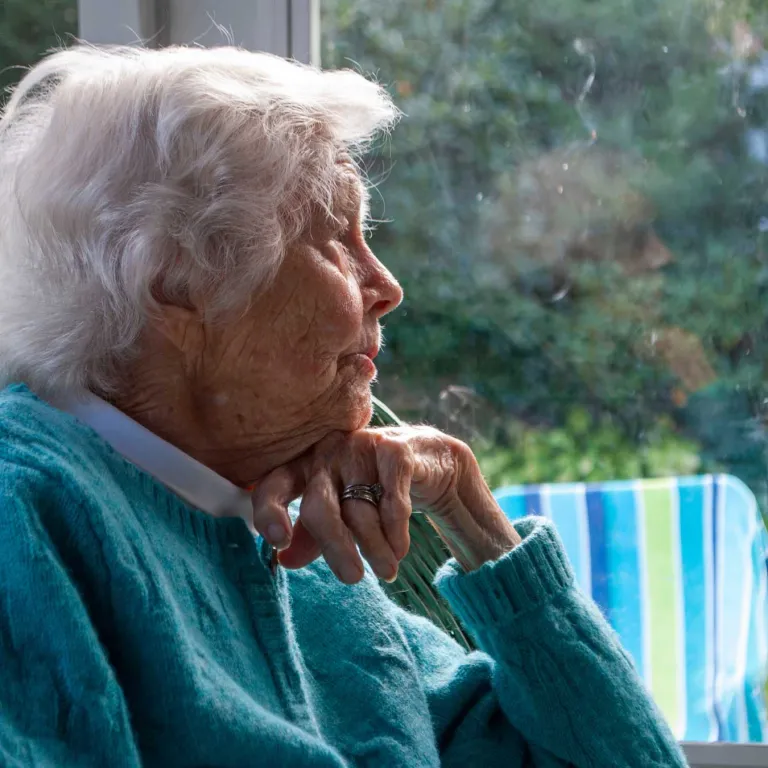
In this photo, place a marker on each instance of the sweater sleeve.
(550, 671)
(60, 703)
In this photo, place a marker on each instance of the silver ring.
(362, 492)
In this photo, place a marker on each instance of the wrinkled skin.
(279, 400)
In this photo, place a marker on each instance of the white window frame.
(726, 755)
(286, 28)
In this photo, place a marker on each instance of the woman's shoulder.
(43, 448)
(34, 434)
(61, 486)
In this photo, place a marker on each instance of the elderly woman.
(189, 315)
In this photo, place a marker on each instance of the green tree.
(573, 202)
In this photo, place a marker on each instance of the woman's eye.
(336, 251)
(333, 239)
(341, 230)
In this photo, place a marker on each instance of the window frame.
(730, 755)
(283, 27)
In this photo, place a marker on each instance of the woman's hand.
(416, 466)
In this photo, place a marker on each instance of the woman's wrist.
(471, 523)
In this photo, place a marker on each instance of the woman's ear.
(178, 325)
(177, 315)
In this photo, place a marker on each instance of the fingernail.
(393, 577)
(385, 569)
(350, 572)
(276, 534)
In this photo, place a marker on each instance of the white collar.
(194, 482)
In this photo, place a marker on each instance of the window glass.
(576, 206)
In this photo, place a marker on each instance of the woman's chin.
(363, 414)
(367, 414)
(359, 410)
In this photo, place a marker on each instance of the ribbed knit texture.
(137, 630)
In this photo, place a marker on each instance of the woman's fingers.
(356, 465)
(270, 504)
(363, 521)
(395, 464)
(303, 550)
(320, 515)
(333, 528)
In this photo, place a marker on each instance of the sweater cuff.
(525, 578)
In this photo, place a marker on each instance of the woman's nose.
(382, 293)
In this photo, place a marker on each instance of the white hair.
(127, 173)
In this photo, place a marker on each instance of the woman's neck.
(205, 423)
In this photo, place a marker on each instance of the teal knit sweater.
(137, 630)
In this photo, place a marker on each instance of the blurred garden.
(577, 207)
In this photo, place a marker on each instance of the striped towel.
(678, 567)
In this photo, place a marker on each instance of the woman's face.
(300, 363)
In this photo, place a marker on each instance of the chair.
(678, 567)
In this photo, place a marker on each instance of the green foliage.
(605, 125)
(583, 450)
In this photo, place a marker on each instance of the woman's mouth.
(363, 362)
